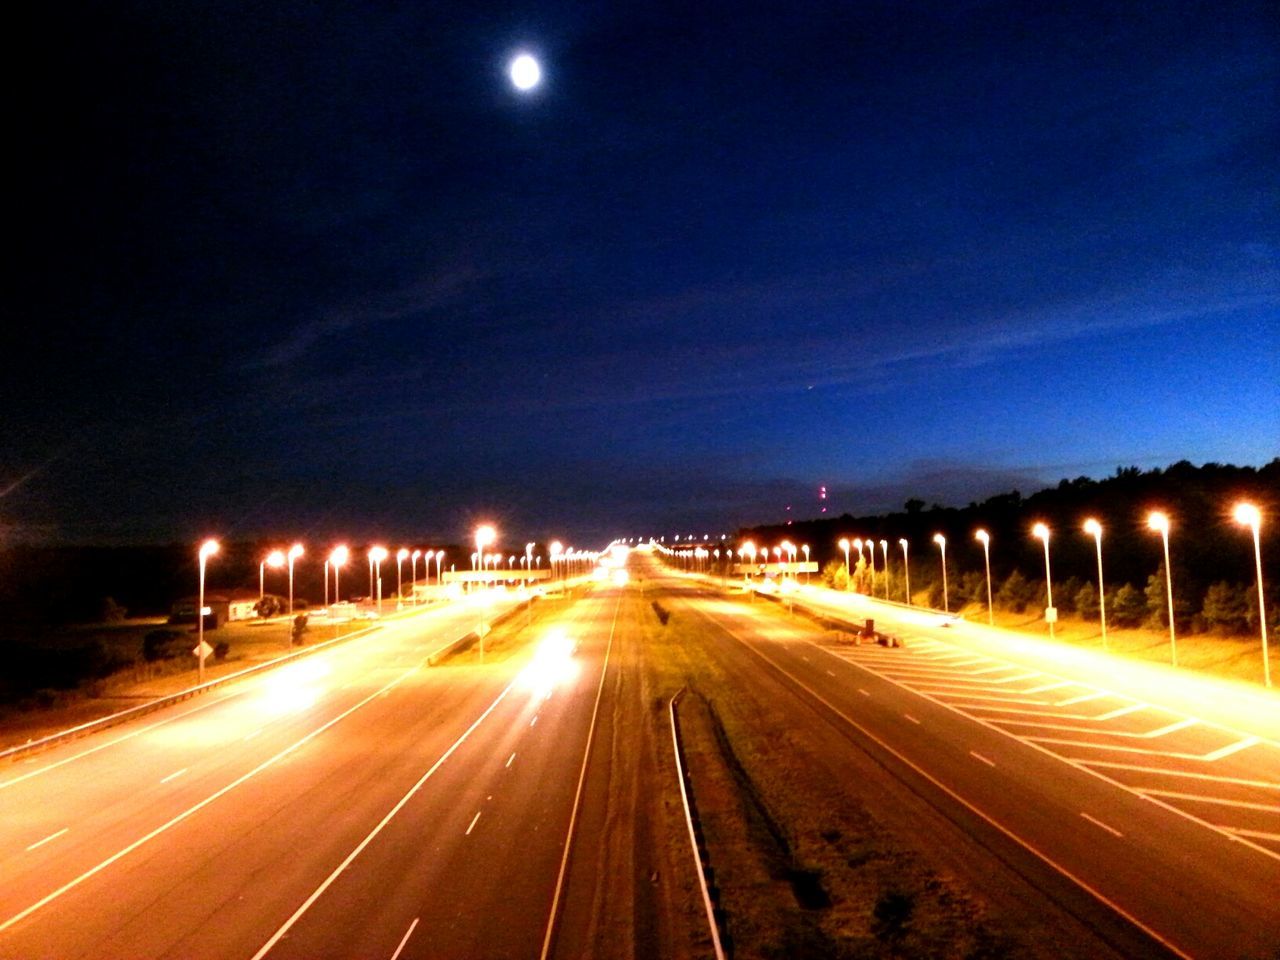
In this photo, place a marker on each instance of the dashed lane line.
(1222, 801)
(405, 939)
(175, 775)
(471, 826)
(978, 756)
(1098, 823)
(49, 839)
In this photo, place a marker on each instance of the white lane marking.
(510, 759)
(175, 775)
(978, 756)
(863, 692)
(911, 718)
(1259, 834)
(405, 939)
(190, 811)
(1098, 823)
(471, 826)
(1163, 772)
(1233, 748)
(1084, 698)
(534, 720)
(53, 836)
(830, 673)
(254, 734)
(804, 658)
(1222, 801)
(939, 690)
(1121, 711)
(1055, 714)
(1148, 735)
(1050, 686)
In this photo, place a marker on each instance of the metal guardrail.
(698, 851)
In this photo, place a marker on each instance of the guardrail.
(445, 651)
(699, 853)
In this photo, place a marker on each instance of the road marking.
(830, 673)
(1222, 801)
(1098, 823)
(509, 759)
(190, 811)
(50, 837)
(1050, 686)
(405, 939)
(1148, 735)
(978, 756)
(175, 775)
(804, 658)
(1163, 772)
(341, 868)
(534, 720)
(1082, 699)
(254, 734)
(863, 692)
(911, 718)
(1259, 834)
(1233, 748)
(472, 825)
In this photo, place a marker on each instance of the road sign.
(202, 650)
(1050, 614)
(482, 630)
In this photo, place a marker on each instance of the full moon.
(525, 72)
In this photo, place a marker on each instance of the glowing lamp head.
(982, 537)
(275, 559)
(884, 544)
(295, 551)
(1040, 532)
(1093, 527)
(416, 554)
(484, 536)
(525, 72)
(1157, 520)
(843, 543)
(556, 548)
(1248, 515)
(902, 542)
(208, 549)
(340, 556)
(857, 543)
(402, 553)
(377, 554)
(939, 539)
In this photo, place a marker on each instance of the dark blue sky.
(319, 268)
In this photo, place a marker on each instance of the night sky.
(318, 269)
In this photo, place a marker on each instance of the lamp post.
(413, 573)
(556, 550)
(1041, 532)
(749, 548)
(884, 554)
(787, 550)
(941, 541)
(274, 560)
(843, 544)
(528, 562)
(338, 558)
(857, 542)
(207, 550)
(439, 560)
(871, 565)
(294, 553)
(984, 538)
(906, 568)
(805, 548)
(1160, 522)
(401, 556)
(1251, 516)
(326, 585)
(1094, 528)
(376, 556)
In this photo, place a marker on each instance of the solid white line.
(1222, 801)
(509, 759)
(471, 826)
(1148, 735)
(830, 673)
(52, 836)
(1232, 748)
(175, 775)
(405, 939)
(534, 720)
(254, 734)
(978, 756)
(863, 692)
(1261, 835)
(911, 718)
(1164, 772)
(1098, 823)
(190, 811)
(577, 797)
(319, 891)
(1082, 699)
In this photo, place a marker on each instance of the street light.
(338, 559)
(207, 550)
(805, 548)
(294, 553)
(439, 560)
(484, 536)
(413, 572)
(401, 556)
(871, 563)
(376, 556)
(528, 562)
(1249, 515)
(941, 541)
(1050, 614)
(1160, 521)
(274, 560)
(843, 544)
(984, 538)
(1094, 528)
(884, 552)
(858, 544)
(749, 548)
(788, 550)
(906, 567)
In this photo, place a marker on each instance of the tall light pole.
(984, 538)
(906, 567)
(556, 549)
(857, 542)
(274, 560)
(871, 565)
(749, 548)
(338, 559)
(294, 553)
(376, 556)
(326, 584)
(1041, 532)
(401, 556)
(843, 544)
(528, 562)
(1251, 516)
(941, 541)
(1160, 522)
(439, 561)
(485, 535)
(787, 550)
(1094, 529)
(426, 567)
(413, 573)
(884, 552)
(805, 548)
(207, 550)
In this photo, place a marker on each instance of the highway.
(1107, 801)
(355, 803)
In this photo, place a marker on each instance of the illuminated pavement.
(1170, 819)
(355, 803)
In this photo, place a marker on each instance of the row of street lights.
(1246, 514)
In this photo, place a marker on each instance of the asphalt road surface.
(354, 804)
(1110, 803)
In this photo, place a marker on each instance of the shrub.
(1086, 601)
(221, 649)
(1016, 593)
(1064, 598)
(299, 628)
(160, 645)
(833, 575)
(1128, 607)
(1227, 608)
